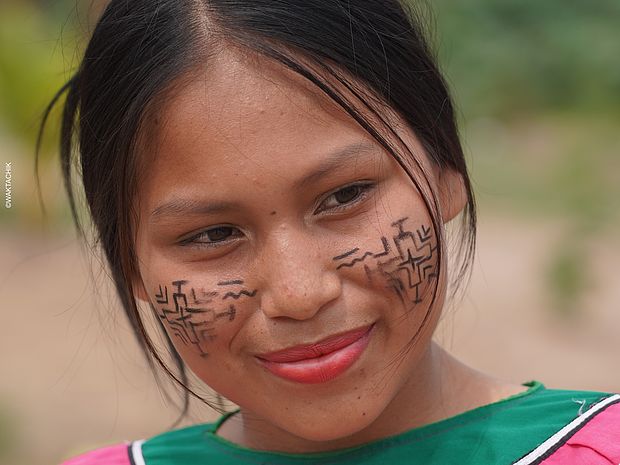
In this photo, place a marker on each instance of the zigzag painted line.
(237, 296)
(355, 260)
(346, 254)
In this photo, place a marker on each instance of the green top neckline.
(420, 432)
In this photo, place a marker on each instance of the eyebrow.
(183, 206)
(338, 159)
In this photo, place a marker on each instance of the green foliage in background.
(517, 57)
(33, 67)
(568, 276)
(8, 435)
(503, 58)
(562, 165)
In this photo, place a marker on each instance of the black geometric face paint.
(405, 269)
(193, 312)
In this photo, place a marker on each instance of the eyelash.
(365, 188)
(364, 191)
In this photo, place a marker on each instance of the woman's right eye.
(212, 237)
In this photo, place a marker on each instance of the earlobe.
(452, 193)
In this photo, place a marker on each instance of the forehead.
(242, 118)
(252, 105)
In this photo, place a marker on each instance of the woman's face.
(269, 219)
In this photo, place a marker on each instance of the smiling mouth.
(319, 362)
(323, 347)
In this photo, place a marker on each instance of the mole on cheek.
(272, 213)
(191, 312)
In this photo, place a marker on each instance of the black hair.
(374, 49)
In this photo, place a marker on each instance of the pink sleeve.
(117, 454)
(597, 443)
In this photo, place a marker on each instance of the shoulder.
(592, 436)
(116, 454)
(154, 450)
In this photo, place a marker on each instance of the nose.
(297, 279)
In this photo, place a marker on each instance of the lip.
(322, 347)
(319, 362)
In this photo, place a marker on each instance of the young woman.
(271, 181)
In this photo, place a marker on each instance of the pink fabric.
(597, 443)
(110, 455)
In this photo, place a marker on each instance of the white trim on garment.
(553, 440)
(136, 452)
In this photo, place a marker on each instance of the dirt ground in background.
(72, 378)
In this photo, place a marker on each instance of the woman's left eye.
(345, 197)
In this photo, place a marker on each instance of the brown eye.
(345, 197)
(218, 234)
(347, 194)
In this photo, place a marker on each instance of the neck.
(440, 387)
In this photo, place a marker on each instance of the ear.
(452, 193)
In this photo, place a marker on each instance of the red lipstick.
(318, 362)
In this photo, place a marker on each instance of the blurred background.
(537, 85)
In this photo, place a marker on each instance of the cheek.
(200, 317)
(403, 261)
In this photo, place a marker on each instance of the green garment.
(496, 434)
